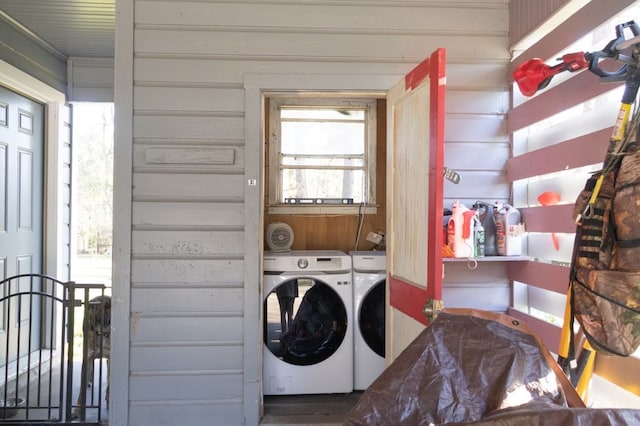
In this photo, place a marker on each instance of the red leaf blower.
(534, 75)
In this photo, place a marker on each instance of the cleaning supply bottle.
(508, 230)
(488, 221)
(459, 230)
(478, 237)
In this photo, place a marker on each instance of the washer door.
(305, 321)
(371, 318)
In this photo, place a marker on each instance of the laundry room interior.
(352, 244)
(335, 245)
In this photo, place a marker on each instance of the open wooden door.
(415, 155)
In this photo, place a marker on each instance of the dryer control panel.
(308, 261)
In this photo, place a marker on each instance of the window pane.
(322, 183)
(324, 137)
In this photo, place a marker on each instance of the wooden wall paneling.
(485, 287)
(183, 241)
(147, 358)
(313, 45)
(186, 184)
(486, 102)
(187, 125)
(90, 79)
(477, 156)
(194, 97)
(573, 91)
(478, 185)
(193, 385)
(329, 17)
(557, 218)
(577, 152)
(542, 275)
(475, 128)
(495, 297)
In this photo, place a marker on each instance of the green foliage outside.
(92, 178)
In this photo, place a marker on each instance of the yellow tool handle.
(565, 336)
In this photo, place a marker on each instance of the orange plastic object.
(550, 199)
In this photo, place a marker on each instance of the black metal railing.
(39, 352)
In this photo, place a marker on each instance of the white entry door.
(21, 210)
(415, 151)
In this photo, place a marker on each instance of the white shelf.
(488, 259)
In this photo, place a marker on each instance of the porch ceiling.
(73, 28)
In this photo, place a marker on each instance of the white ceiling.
(72, 27)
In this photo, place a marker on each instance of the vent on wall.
(279, 236)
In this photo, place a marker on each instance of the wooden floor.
(317, 410)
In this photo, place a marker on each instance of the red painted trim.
(408, 298)
(436, 178)
(417, 75)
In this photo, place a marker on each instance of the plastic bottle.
(488, 221)
(508, 235)
(479, 237)
(459, 230)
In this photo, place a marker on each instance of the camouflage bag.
(605, 273)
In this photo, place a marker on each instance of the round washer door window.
(305, 321)
(371, 318)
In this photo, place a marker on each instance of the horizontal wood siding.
(484, 285)
(90, 79)
(188, 292)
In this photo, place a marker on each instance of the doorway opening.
(92, 193)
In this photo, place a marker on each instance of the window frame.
(273, 136)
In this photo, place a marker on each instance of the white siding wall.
(90, 79)
(191, 305)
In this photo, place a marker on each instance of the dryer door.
(305, 321)
(371, 318)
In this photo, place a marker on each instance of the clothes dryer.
(369, 279)
(308, 323)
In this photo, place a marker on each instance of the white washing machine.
(369, 279)
(308, 323)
